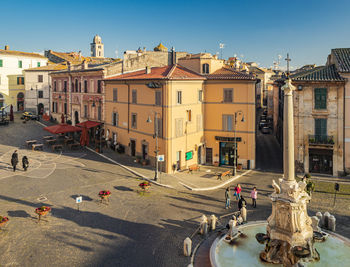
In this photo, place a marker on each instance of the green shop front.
(227, 146)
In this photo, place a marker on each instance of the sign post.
(78, 200)
(336, 189)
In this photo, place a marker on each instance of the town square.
(130, 152)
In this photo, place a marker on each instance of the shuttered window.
(115, 94)
(159, 127)
(1, 62)
(228, 95)
(38, 64)
(115, 119)
(20, 64)
(320, 98)
(178, 127)
(199, 122)
(320, 127)
(40, 78)
(134, 120)
(134, 96)
(227, 122)
(20, 80)
(179, 97)
(85, 86)
(158, 98)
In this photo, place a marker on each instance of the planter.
(216, 163)
(239, 167)
(3, 221)
(42, 211)
(145, 185)
(104, 195)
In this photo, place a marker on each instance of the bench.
(55, 147)
(48, 137)
(37, 146)
(194, 167)
(30, 142)
(222, 174)
(50, 141)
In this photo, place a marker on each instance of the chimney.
(148, 70)
(69, 66)
(7, 47)
(173, 56)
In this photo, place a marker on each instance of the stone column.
(288, 132)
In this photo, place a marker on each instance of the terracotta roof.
(19, 53)
(168, 72)
(50, 67)
(342, 56)
(229, 74)
(322, 74)
(75, 59)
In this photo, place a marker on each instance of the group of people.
(14, 161)
(238, 194)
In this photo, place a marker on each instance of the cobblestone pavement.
(134, 229)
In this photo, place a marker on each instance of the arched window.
(20, 95)
(76, 85)
(205, 68)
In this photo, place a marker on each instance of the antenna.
(221, 46)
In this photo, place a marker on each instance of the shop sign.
(189, 155)
(228, 139)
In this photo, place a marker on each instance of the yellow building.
(193, 114)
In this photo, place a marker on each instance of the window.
(133, 120)
(53, 107)
(20, 64)
(76, 85)
(79, 88)
(200, 95)
(189, 115)
(40, 94)
(158, 98)
(159, 126)
(115, 94)
(65, 108)
(320, 98)
(54, 86)
(134, 96)
(179, 127)
(320, 127)
(99, 86)
(179, 97)
(228, 95)
(205, 68)
(99, 112)
(38, 64)
(40, 78)
(227, 122)
(85, 111)
(85, 86)
(199, 122)
(92, 86)
(1, 63)
(20, 80)
(115, 119)
(65, 86)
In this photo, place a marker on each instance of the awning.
(62, 128)
(88, 124)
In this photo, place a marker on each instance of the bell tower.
(97, 49)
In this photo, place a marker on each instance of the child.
(227, 197)
(254, 196)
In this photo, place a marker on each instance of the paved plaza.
(134, 229)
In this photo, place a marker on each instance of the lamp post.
(37, 103)
(156, 151)
(235, 141)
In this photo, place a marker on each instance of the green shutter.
(321, 127)
(38, 64)
(320, 98)
(0, 62)
(19, 64)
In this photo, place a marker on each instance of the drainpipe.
(128, 105)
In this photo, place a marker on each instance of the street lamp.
(235, 141)
(37, 100)
(156, 148)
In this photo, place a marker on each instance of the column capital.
(288, 88)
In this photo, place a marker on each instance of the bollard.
(331, 223)
(315, 221)
(213, 222)
(244, 213)
(187, 246)
(320, 217)
(203, 225)
(326, 219)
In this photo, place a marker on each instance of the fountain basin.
(245, 250)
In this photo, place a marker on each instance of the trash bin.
(248, 164)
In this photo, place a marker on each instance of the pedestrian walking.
(14, 160)
(241, 203)
(227, 198)
(238, 190)
(254, 196)
(25, 163)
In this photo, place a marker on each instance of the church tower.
(97, 47)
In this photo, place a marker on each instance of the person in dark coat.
(14, 160)
(25, 162)
(241, 202)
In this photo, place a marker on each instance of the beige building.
(193, 103)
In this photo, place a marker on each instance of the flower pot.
(239, 167)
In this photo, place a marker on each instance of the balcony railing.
(321, 140)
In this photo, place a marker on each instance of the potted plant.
(3, 220)
(145, 185)
(42, 211)
(216, 163)
(104, 195)
(310, 187)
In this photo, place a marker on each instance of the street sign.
(189, 155)
(160, 157)
(79, 200)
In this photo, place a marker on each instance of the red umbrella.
(62, 128)
(62, 118)
(84, 138)
(11, 113)
(88, 124)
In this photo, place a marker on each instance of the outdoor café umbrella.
(84, 139)
(62, 128)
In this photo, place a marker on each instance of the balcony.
(327, 140)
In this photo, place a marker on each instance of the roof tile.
(229, 74)
(342, 56)
(322, 74)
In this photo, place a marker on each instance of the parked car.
(262, 123)
(29, 116)
(265, 130)
(263, 117)
(265, 112)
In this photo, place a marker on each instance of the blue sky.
(258, 30)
